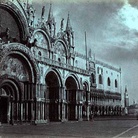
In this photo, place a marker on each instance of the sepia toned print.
(56, 74)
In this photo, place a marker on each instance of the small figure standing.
(91, 116)
(62, 24)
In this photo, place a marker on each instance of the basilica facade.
(43, 78)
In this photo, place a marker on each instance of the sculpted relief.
(14, 67)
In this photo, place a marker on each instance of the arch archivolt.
(76, 79)
(61, 47)
(43, 35)
(20, 17)
(21, 54)
(86, 83)
(12, 86)
(57, 73)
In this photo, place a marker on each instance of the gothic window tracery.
(100, 79)
(108, 81)
(92, 78)
(98, 70)
(116, 85)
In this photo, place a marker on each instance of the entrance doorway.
(4, 105)
(71, 89)
(52, 83)
(8, 100)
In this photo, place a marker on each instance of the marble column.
(9, 113)
(26, 106)
(43, 109)
(88, 112)
(32, 111)
(76, 113)
(21, 104)
(63, 111)
(17, 111)
(38, 110)
(12, 113)
(47, 111)
(59, 111)
(81, 112)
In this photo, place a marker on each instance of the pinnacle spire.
(43, 12)
(125, 89)
(51, 22)
(68, 27)
(50, 15)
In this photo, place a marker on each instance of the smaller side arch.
(53, 92)
(72, 85)
(86, 83)
(14, 84)
(58, 74)
(75, 77)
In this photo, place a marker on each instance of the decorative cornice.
(107, 66)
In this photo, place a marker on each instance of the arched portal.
(10, 98)
(53, 86)
(71, 90)
(18, 77)
(85, 111)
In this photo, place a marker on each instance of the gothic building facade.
(43, 78)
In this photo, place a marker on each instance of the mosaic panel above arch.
(8, 27)
(14, 26)
(60, 49)
(41, 40)
(25, 57)
(14, 67)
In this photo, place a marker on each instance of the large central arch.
(71, 92)
(53, 83)
(18, 78)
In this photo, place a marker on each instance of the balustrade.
(62, 65)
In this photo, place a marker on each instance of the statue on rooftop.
(62, 24)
